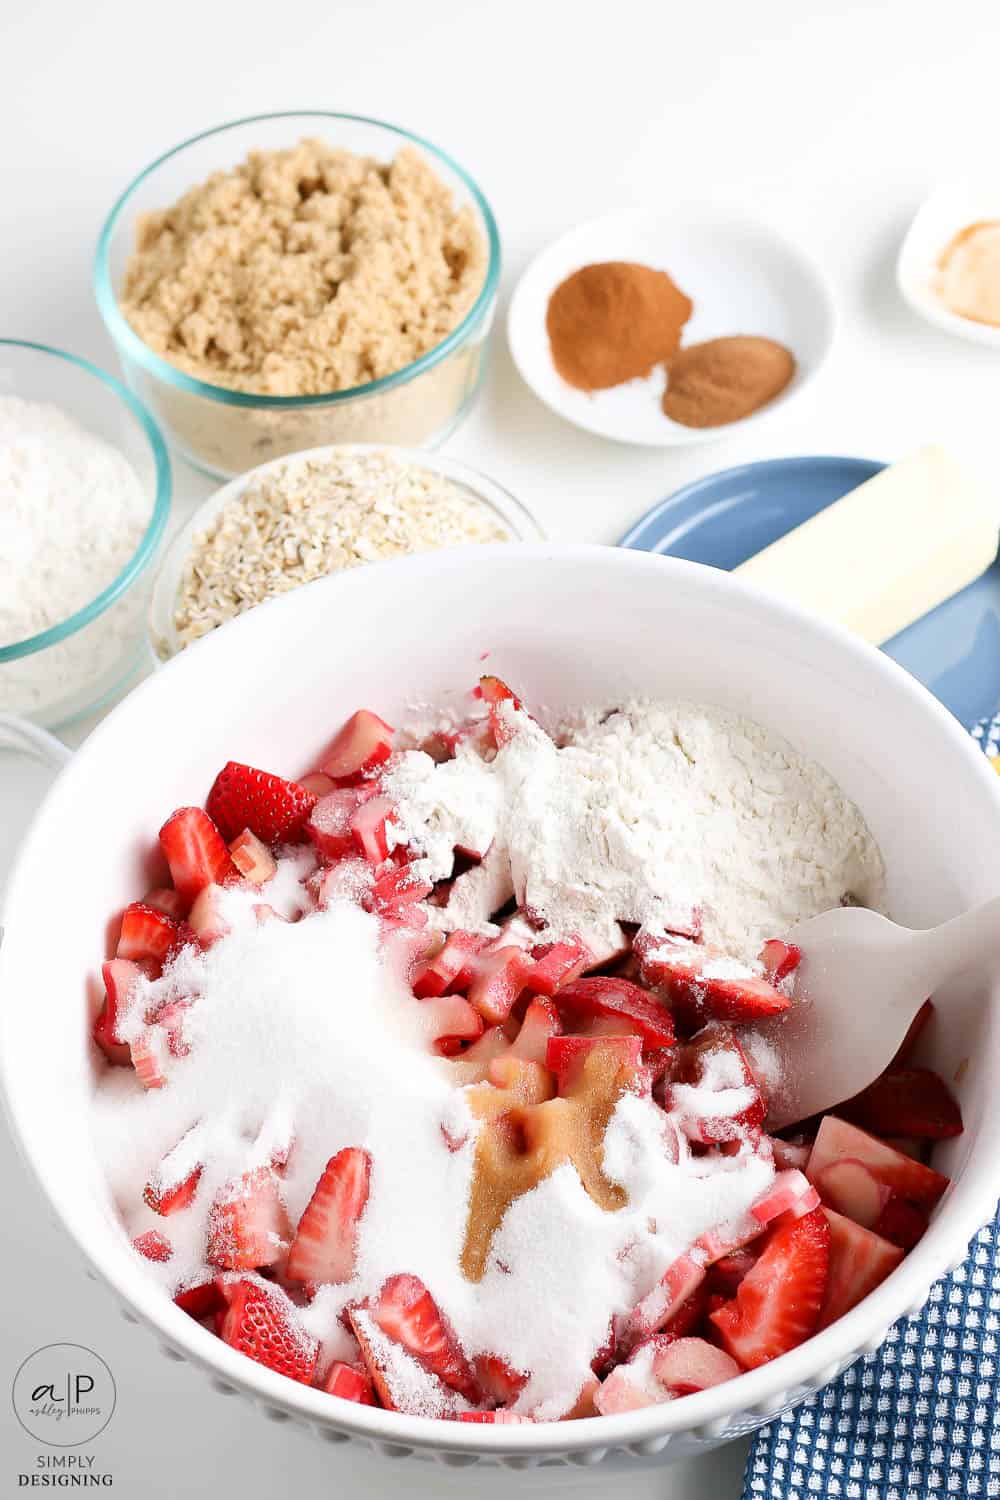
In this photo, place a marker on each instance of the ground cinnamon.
(725, 379)
(614, 321)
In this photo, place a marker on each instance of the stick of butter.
(888, 552)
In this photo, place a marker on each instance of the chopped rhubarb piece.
(450, 1018)
(272, 808)
(837, 1139)
(349, 1384)
(557, 964)
(906, 1101)
(170, 1018)
(252, 858)
(165, 1196)
(329, 825)
(791, 1193)
(407, 1313)
(495, 692)
(852, 1189)
(368, 829)
(120, 976)
(361, 1325)
(565, 1055)
(859, 1262)
(506, 1418)
(541, 1023)
(779, 959)
(396, 893)
(680, 1280)
(195, 851)
(318, 783)
(499, 1382)
(364, 743)
(325, 1243)
(206, 919)
(146, 933)
(474, 1063)
(153, 1245)
(620, 1392)
(348, 880)
(705, 985)
(451, 967)
(477, 894)
(203, 1300)
(714, 1062)
(167, 900)
(499, 979)
(261, 1321)
(608, 996)
(725, 1238)
(778, 1303)
(247, 1225)
(914, 1032)
(901, 1223)
(147, 1053)
(790, 1153)
(683, 1366)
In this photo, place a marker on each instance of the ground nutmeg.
(614, 321)
(725, 379)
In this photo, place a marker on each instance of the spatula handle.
(964, 945)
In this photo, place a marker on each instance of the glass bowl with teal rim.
(80, 662)
(225, 431)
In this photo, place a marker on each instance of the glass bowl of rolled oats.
(302, 517)
(298, 279)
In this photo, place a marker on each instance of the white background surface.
(831, 118)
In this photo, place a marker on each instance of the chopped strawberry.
(906, 1101)
(451, 967)
(153, 1245)
(713, 1060)
(147, 1053)
(607, 995)
(170, 902)
(680, 1281)
(705, 985)
(901, 1223)
(368, 829)
(329, 825)
(729, 1270)
(685, 1365)
(407, 1313)
(557, 964)
(202, 1300)
(914, 1032)
(261, 1322)
(325, 1243)
(565, 1055)
(780, 959)
(837, 1139)
(777, 1304)
(859, 1261)
(272, 808)
(541, 1023)
(791, 1193)
(363, 744)
(146, 933)
(499, 979)
(206, 920)
(499, 1382)
(852, 1189)
(397, 893)
(494, 692)
(247, 1224)
(349, 1384)
(120, 976)
(252, 858)
(195, 851)
(165, 1196)
(507, 1418)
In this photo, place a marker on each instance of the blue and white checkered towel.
(921, 1417)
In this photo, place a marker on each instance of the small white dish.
(743, 278)
(950, 208)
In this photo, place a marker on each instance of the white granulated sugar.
(649, 814)
(72, 513)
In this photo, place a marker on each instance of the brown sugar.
(614, 321)
(725, 379)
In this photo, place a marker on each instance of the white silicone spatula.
(859, 984)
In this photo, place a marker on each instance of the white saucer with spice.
(743, 278)
(929, 272)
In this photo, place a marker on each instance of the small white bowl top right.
(950, 208)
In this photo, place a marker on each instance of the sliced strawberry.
(791, 1193)
(243, 797)
(496, 1378)
(714, 1062)
(368, 829)
(853, 1190)
(195, 851)
(363, 744)
(153, 1245)
(329, 825)
(206, 918)
(705, 985)
(901, 1223)
(778, 1303)
(170, 902)
(165, 1197)
(906, 1101)
(680, 1281)
(261, 1322)
(407, 1313)
(914, 1032)
(779, 959)
(494, 692)
(499, 979)
(252, 858)
(451, 967)
(325, 1243)
(120, 976)
(148, 1053)
(247, 1224)
(607, 995)
(202, 1300)
(729, 1270)
(397, 893)
(837, 1139)
(146, 933)
(683, 1366)
(541, 1023)
(556, 964)
(565, 1055)
(349, 1384)
(859, 1262)
(507, 1418)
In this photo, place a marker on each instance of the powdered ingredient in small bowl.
(724, 380)
(614, 321)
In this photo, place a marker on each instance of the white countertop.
(831, 119)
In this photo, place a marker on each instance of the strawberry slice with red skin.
(683, 1366)
(607, 995)
(146, 933)
(906, 1101)
(837, 1140)
(497, 1380)
(901, 1223)
(506, 1418)
(247, 1224)
(203, 1300)
(407, 1313)
(170, 902)
(778, 1303)
(120, 976)
(713, 1058)
(329, 825)
(860, 1260)
(565, 1055)
(261, 1322)
(729, 1270)
(252, 858)
(153, 1245)
(325, 1245)
(368, 829)
(541, 1023)
(779, 959)
(195, 851)
(704, 985)
(364, 744)
(271, 807)
(557, 964)
(170, 1198)
(494, 691)
(451, 968)
(349, 1384)
(499, 979)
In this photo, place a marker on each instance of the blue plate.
(727, 517)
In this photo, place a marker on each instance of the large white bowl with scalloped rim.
(566, 624)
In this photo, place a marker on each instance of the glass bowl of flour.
(85, 486)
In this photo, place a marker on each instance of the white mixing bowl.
(565, 625)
